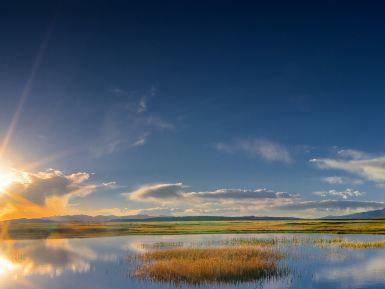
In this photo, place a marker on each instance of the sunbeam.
(27, 88)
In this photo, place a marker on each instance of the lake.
(105, 263)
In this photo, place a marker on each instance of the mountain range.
(370, 215)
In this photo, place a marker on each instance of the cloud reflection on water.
(48, 257)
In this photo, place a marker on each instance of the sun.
(5, 180)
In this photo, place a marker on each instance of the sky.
(266, 108)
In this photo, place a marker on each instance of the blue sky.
(197, 107)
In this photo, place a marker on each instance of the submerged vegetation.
(198, 266)
(85, 230)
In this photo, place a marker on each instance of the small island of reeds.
(197, 266)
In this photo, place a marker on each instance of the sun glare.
(5, 180)
(5, 266)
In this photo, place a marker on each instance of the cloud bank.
(179, 199)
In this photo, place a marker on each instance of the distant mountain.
(370, 215)
(138, 218)
(204, 218)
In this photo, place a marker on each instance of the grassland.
(197, 266)
(86, 230)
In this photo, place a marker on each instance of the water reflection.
(47, 257)
(102, 263)
(369, 269)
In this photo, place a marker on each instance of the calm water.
(103, 263)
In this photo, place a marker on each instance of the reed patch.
(197, 266)
(350, 244)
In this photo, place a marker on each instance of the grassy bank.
(86, 230)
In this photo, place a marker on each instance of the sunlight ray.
(27, 89)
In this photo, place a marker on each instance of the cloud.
(346, 194)
(334, 180)
(44, 193)
(334, 205)
(179, 199)
(157, 192)
(370, 167)
(266, 149)
(52, 183)
(353, 154)
(128, 124)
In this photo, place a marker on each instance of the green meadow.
(87, 230)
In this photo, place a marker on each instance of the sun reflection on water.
(6, 266)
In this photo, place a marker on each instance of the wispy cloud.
(367, 166)
(238, 194)
(266, 149)
(353, 154)
(128, 124)
(336, 180)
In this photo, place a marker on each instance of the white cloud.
(266, 149)
(346, 194)
(369, 167)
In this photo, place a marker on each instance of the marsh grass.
(350, 244)
(197, 266)
(250, 241)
